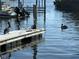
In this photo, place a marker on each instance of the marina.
(21, 36)
(46, 34)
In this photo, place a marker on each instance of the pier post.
(39, 4)
(42, 3)
(35, 15)
(44, 13)
(36, 2)
(19, 4)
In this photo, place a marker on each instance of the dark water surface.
(57, 44)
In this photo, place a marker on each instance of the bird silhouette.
(7, 29)
(63, 26)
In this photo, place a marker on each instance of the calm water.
(57, 44)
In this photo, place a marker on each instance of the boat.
(6, 11)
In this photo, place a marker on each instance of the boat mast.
(19, 4)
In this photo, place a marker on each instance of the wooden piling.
(44, 13)
(39, 4)
(35, 15)
(42, 3)
(20, 4)
(36, 2)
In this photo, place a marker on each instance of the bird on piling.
(33, 26)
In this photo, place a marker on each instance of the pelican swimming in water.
(63, 26)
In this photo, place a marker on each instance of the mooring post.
(44, 14)
(36, 2)
(35, 16)
(42, 3)
(39, 4)
(19, 4)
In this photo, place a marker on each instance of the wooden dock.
(18, 35)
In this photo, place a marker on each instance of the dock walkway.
(18, 35)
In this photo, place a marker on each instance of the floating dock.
(18, 35)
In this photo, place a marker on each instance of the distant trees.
(68, 5)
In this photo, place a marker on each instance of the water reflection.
(34, 47)
(7, 56)
(17, 22)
